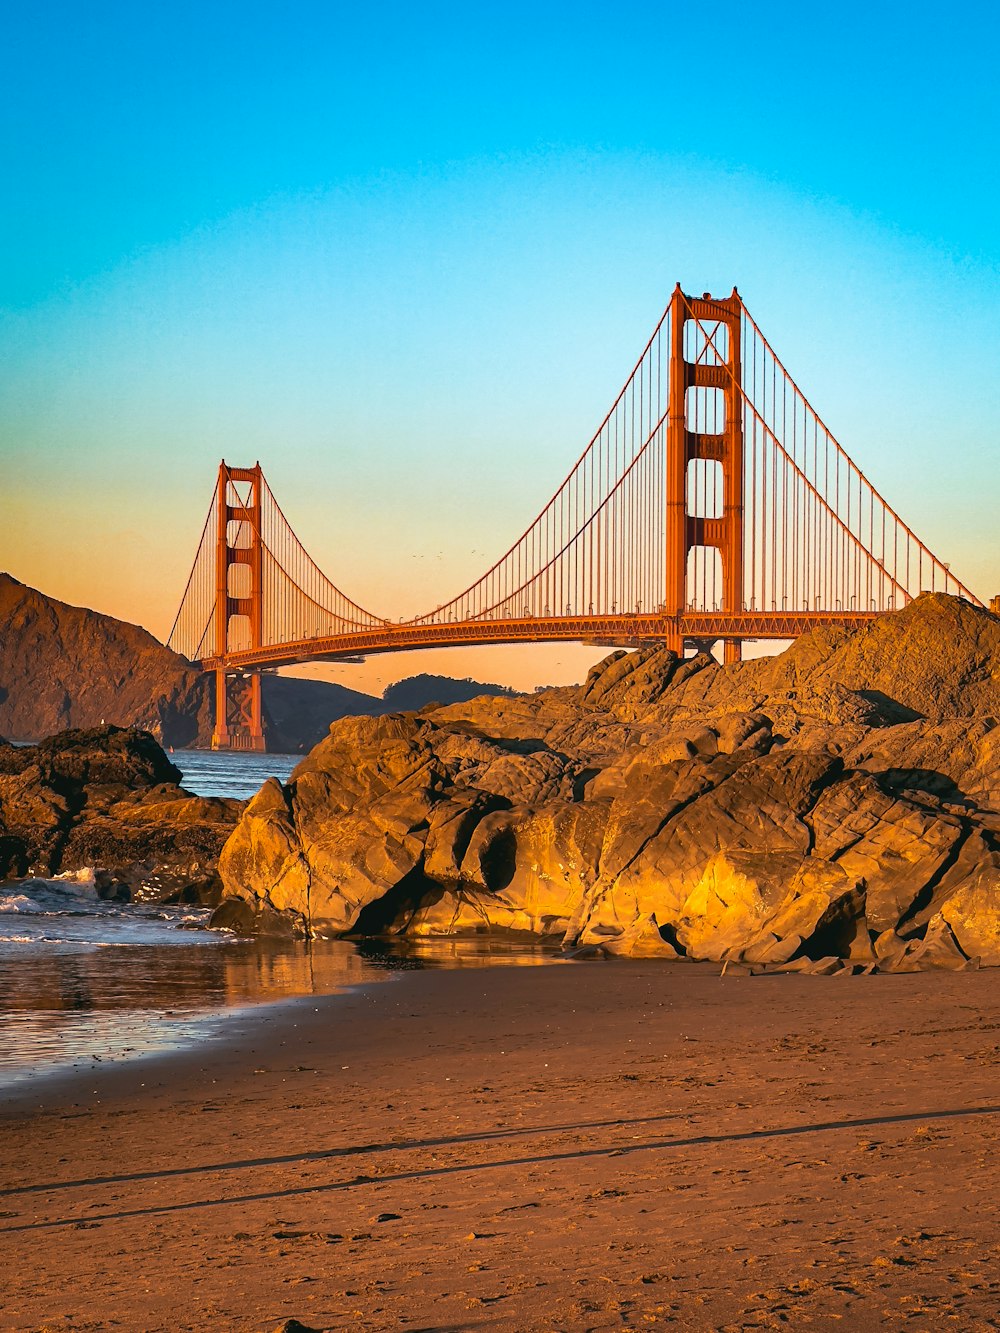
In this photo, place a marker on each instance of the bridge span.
(712, 505)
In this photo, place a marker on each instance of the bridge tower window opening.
(705, 411)
(240, 580)
(705, 488)
(706, 342)
(704, 578)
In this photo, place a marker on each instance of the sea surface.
(85, 982)
(230, 772)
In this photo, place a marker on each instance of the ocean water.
(85, 982)
(230, 773)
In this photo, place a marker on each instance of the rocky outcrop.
(836, 806)
(108, 799)
(65, 666)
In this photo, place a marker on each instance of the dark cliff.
(64, 666)
(67, 667)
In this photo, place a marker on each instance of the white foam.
(85, 876)
(20, 902)
(77, 884)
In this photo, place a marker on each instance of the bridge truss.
(712, 504)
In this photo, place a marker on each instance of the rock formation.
(835, 806)
(65, 666)
(108, 799)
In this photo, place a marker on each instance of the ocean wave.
(72, 884)
(52, 896)
(19, 903)
(87, 875)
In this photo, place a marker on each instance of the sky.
(406, 256)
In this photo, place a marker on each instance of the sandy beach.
(581, 1146)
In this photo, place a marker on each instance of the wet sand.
(586, 1146)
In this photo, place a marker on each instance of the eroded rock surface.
(836, 806)
(108, 799)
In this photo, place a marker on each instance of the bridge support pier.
(239, 721)
(220, 733)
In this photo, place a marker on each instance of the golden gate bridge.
(711, 505)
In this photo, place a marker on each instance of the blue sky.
(405, 256)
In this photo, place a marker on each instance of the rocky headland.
(833, 808)
(65, 666)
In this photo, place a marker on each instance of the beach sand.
(580, 1146)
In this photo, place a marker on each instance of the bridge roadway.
(624, 631)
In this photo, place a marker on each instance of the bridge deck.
(615, 631)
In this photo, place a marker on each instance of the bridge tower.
(717, 366)
(238, 719)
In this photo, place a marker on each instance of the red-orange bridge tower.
(711, 505)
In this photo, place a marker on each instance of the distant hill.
(407, 696)
(65, 666)
(298, 713)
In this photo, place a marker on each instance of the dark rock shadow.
(391, 913)
(891, 712)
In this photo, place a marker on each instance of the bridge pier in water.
(239, 721)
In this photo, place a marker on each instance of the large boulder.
(973, 914)
(836, 806)
(108, 798)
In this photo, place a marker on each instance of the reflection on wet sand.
(108, 1003)
(200, 976)
(461, 951)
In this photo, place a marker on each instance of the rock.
(827, 811)
(643, 940)
(715, 806)
(111, 890)
(938, 950)
(263, 860)
(248, 919)
(765, 907)
(973, 914)
(204, 891)
(769, 948)
(107, 799)
(451, 825)
(349, 829)
(897, 845)
(815, 967)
